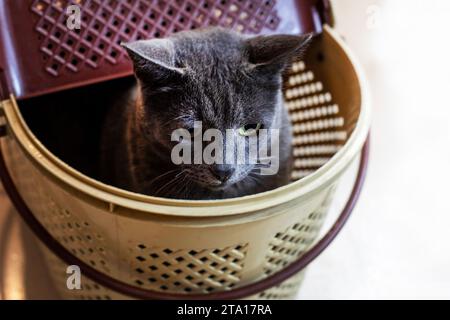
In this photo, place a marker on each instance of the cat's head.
(217, 77)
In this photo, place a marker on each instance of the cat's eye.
(250, 129)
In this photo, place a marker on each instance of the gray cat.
(216, 76)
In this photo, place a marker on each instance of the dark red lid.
(39, 53)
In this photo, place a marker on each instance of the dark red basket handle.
(135, 292)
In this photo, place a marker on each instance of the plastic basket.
(133, 245)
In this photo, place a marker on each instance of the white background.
(397, 243)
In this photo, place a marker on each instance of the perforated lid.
(41, 53)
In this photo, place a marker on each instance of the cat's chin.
(215, 187)
(223, 187)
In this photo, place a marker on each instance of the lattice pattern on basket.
(318, 127)
(107, 23)
(286, 290)
(79, 237)
(286, 246)
(188, 270)
(90, 290)
(82, 240)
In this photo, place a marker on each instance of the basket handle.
(139, 293)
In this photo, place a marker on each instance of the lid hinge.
(3, 127)
(325, 9)
(4, 92)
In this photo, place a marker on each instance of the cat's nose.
(222, 172)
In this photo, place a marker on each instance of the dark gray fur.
(215, 76)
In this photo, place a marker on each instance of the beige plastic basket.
(192, 247)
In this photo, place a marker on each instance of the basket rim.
(114, 198)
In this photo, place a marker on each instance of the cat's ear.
(153, 60)
(275, 50)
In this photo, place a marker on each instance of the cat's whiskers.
(186, 186)
(256, 171)
(172, 183)
(256, 179)
(162, 176)
(175, 119)
(180, 181)
(186, 182)
(166, 185)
